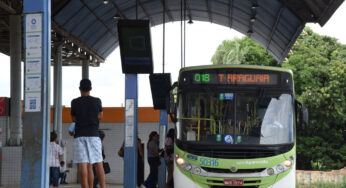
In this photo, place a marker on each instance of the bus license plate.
(233, 182)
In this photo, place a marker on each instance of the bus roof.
(257, 67)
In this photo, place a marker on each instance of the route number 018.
(202, 78)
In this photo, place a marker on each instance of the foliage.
(242, 51)
(319, 66)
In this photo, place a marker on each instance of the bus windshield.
(235, 118)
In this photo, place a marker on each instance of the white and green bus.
(235, 126)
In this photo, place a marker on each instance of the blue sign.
(193, 157)
(208, 162)
(229, 96)
(228, 138)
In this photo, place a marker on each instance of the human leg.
(96, 181)
(156, 171)
(90, 175)
(62, 177)
(169, 175)
(94, 148)
(100, 174)
(83, 174)
(152, 178)
(55, 176)
(50, 176)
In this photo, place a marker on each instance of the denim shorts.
(54, 176)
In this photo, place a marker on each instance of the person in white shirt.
(63, 174)
(55, 157)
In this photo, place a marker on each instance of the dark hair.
(151, 136)
(170, 133)
(85, 85)
(53, 136)
(102, 134)
(62, 162)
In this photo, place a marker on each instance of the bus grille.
(220, 170)
(239, 154)
(235, 152)
(235, 186)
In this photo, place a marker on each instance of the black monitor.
(135, 46)
(160, 89)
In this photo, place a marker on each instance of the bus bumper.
(180, 180)
(289, 181)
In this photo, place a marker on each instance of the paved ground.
(70, 186)
(78, 186)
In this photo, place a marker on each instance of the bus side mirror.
(303, 115)
(172, 111)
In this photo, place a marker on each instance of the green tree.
(230, 52)
(242, 51)
(319, 66)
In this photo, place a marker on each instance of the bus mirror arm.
(172, 109)
(303, 114)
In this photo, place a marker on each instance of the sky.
(202, 40)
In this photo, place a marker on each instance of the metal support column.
(16, 80)
(85, 69)
(58, 92)
(163, 132)
(36, 122)
(131, 106)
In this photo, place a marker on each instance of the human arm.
(140, 149)
(100, 114)
(60, 153)
(153, 149)
(73, 111)
(153, 152)
(71, 128)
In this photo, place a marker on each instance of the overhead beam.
(76, 41)
(118, 10)
(275, 26)
(145, 11)
(7, 8)
(230, 12)
(209, 11)
(2, 22)
(165, 7)
(290, 44)
(188, 9)
(315, 10)
(98, 18)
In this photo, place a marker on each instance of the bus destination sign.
(235, 78)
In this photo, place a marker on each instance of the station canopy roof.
(88, 28)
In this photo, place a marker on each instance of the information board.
(33, 62)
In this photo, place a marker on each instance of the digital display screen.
(235, 78)
(135, 46)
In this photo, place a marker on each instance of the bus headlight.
(279, 168)
(180, 161)
(270, 171)
(188, 167)
(197, 170)
(288, 163)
